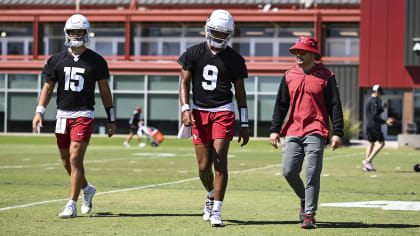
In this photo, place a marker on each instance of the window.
(108, 39)
(53, 38)
(341, 40)
(23, 81)
(155, 39)
(16, 38)
(267, 40)
(129, 82)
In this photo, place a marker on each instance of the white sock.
(217, 206)
(72, 202)
(86, 188)
(210, 194)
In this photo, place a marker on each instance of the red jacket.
(308, 108)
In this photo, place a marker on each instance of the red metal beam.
(187, 15)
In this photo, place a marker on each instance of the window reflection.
(341, 40)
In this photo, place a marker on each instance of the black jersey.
(212, 75)
(76, 78)
(135, 118)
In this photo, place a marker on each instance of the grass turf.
(157, 192)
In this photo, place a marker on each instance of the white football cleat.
(87, 197)
(216, 219)
(142, 145)
(208, 207)
(126, 144)
(69, 211)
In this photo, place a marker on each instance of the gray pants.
(294, 151)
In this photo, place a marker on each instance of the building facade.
(142, 39)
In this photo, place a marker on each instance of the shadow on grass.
(362, 225)
(326, 224)
(110, 214)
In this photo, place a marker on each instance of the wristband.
(243, 116)
(40, 109)
(110, 112)
(185, 107)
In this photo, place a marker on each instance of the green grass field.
(155, 191)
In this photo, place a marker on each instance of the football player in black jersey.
(76, 71)
(212, 67)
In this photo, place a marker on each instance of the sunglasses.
(299, 52)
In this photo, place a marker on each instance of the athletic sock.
(217, 206)
(72, 202)
(86, 188)
(210, 194)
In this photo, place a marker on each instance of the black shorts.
(133, 129)
(374, 135)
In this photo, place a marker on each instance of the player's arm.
(184, 95)
(44, 99)
(240, 96)
(106, 97)
(281, 107)
(332, 98)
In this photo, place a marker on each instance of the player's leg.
(65, 159)
(63, 143)
(80, 133)
(293, 156)
(220, 161)
(203, 146)
(314, 152)
(222, 133)
(379, 136)
(77, 179)
(219, 156)
(127, 140)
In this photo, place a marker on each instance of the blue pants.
(294, 151)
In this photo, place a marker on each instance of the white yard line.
(162, 184)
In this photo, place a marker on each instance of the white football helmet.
(221, 21)
(76, 21)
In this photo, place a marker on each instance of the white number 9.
(210, 76)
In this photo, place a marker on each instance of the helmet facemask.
(219, 29)
(217, 42)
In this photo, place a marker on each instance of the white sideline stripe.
(33, 204)
(157, 185)
(87, 161)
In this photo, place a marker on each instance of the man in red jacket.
(310, 90)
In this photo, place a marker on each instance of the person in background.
(135, 122)
(310, 90)
(373, 111)
(76, 70)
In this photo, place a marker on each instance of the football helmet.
(219, 21)
(76, 21)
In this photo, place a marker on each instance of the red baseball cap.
(307, 44)
(138, 108)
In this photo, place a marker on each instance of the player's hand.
(37, 120)
(244, 135)
(335, 142)
(111, 127)
(187, 118)
(275, 139)
(390, 121)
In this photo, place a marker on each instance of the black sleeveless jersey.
(212, 75)
(76, 79)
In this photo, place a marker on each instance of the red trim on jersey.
(208, 126)
(79, 130)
